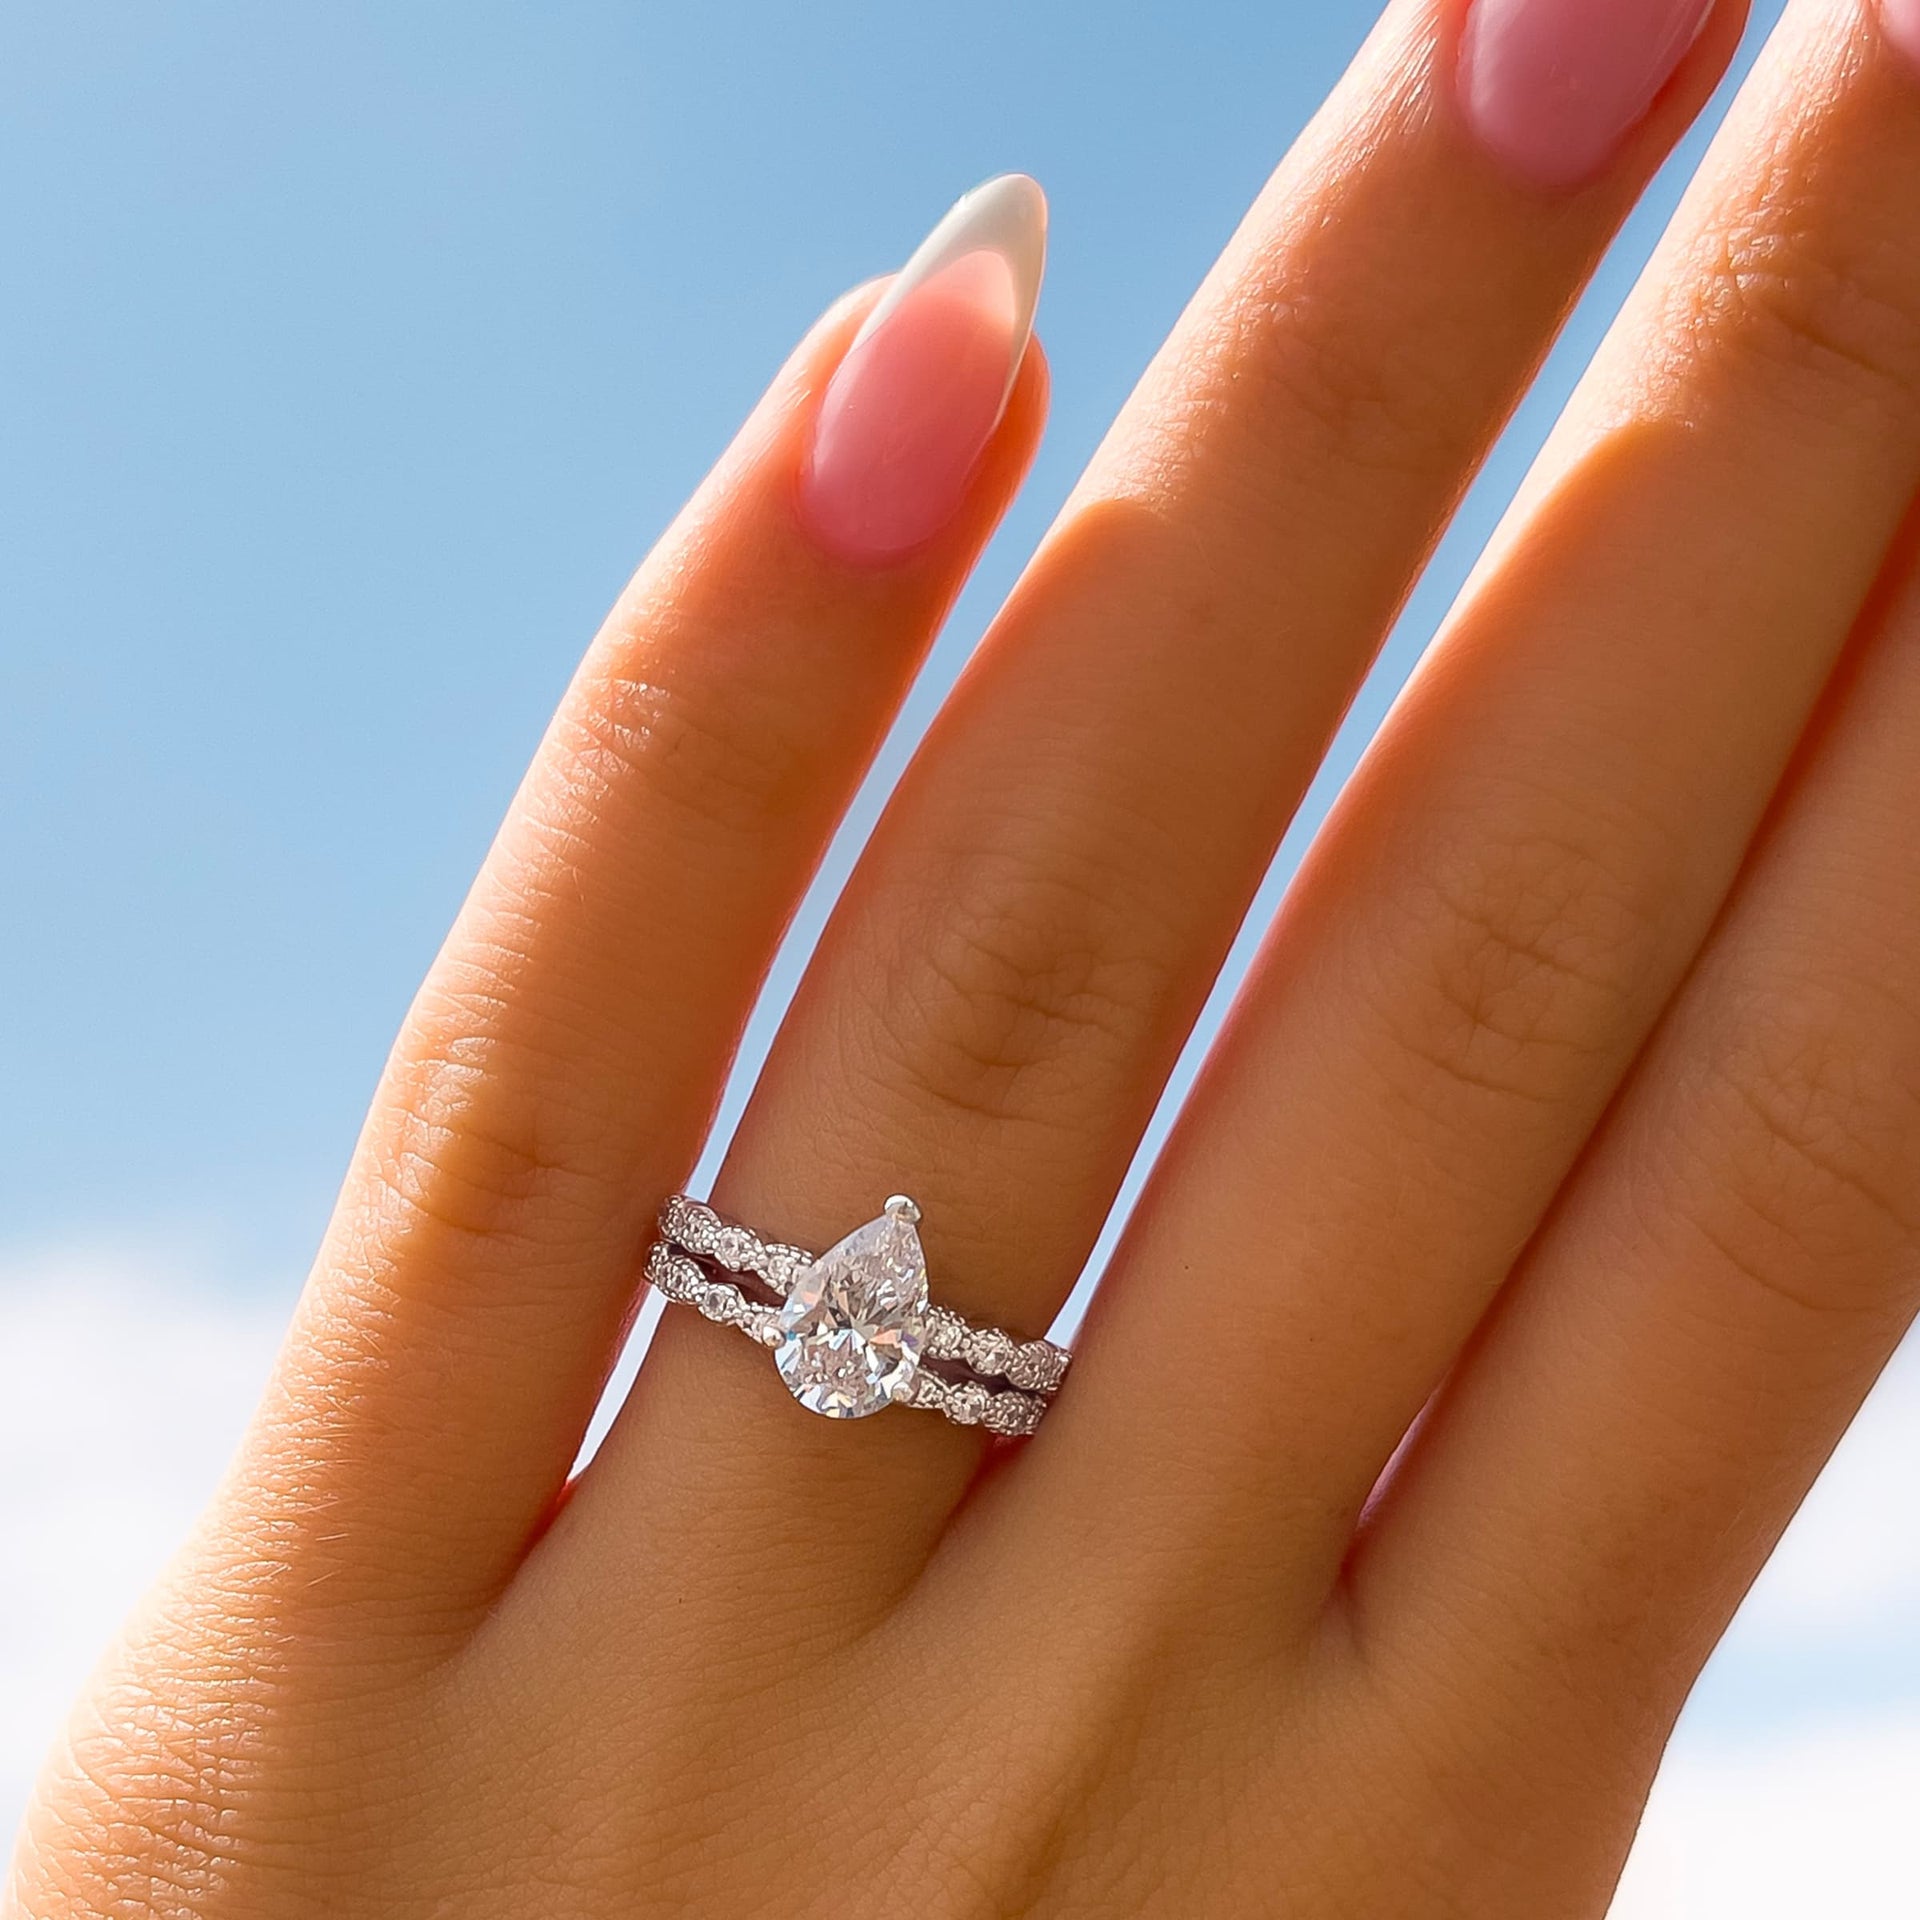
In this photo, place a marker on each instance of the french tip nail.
(925, 382)
(1006, 215)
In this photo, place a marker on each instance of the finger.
(1023, 949)
(1734, 1263)
(1522, 872)
(559, 1069)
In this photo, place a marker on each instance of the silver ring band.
(852, 1330)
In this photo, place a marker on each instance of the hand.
(1542, 1216)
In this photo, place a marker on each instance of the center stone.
(853, 1326)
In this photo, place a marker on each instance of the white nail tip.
(1006, 215)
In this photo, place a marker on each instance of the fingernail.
(1900, 20)
(1552, 87)
(916, 397)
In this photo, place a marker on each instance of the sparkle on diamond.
(852, 1329)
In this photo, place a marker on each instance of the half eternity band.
(852, 1330)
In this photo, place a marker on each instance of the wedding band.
(852, 1330)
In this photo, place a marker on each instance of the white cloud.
(125, 1391)
(1793, 1786)
(1851, 1561)
(126, 1386)
(1817, 1824)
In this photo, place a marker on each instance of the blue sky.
(354, 356)
(357, 353)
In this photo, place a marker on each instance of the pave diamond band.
(967, 1403)
(852, 1330)
(1035, 1366)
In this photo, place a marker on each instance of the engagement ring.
(852, 1330)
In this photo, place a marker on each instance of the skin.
(1562, 1154)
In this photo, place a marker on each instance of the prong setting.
(849, 1352)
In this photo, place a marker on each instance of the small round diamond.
(735, 1247)
(989, 1351)
(1011, 1413)
(677, 1278)
(1037, 1367)
(783, 1266)
(946, 1334)
(968, 1404)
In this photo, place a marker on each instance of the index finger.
(559, 1069)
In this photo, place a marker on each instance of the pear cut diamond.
(851, 1332)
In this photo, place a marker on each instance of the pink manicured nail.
(1900, 21)
(1552, 87)
(916, 398)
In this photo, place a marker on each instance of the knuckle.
(1826, 319)
(465, 1148)
(1011, 988)
(718, 768)
(1367, 407)
(1532, 944)
(1814, 1150)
